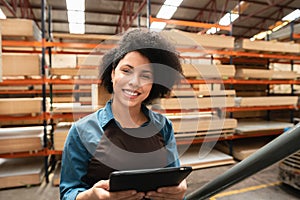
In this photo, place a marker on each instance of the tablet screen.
(147, 179)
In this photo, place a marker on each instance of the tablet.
(147, 179)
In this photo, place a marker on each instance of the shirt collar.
(106, 115)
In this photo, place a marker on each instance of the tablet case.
(147, 179)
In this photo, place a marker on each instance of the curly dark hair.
(162, 55)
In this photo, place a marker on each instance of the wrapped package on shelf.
(266, 101)
(22, 106)
(195, 103)
(20, 64)
(17, 172)
(63, 61)
(264, 74)
(89, 60)
(20, 28)
(21, 139)
(208, 71)
(187, 39)
(269, 46)
(60, 134)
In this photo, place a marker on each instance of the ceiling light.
(292, 16)
(157, 26)
(228, 18)
(173, 2)
(76, 17)
(76, 28)
(2, 15)
(212, 30)
(166, 12)
(75, 5)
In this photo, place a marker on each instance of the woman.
(125, 134)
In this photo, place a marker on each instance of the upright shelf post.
(43, 65)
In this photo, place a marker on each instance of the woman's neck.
(128, 117)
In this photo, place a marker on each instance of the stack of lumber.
(270, 46)
(263, 127)
(193, 100)
(20, 106)
(266, 101)
(198, 158)
(207, 71)
(15, 65)
(245, 73)
(60, 134)
(67, 66)
(12, 29)
(241, 149)
(16, 172)
(187, 39)
(21, 139)
(201, 125)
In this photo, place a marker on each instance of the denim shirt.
(82, 141)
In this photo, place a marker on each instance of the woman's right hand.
(100, 191)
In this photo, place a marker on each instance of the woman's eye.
(126, 70)
(147, 76)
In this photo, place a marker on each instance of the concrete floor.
(263, 185)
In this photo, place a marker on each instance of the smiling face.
(132, 80)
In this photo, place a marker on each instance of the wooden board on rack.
(20, 64)
(210, 41)
(27, 29)
(15, 106)
(196, 103)
(245, 73)
(252, 127)
(185, 124)
(89, 60)
(241, 149)
(60, 134)
(202, 71)
(74, 72)
(21, 139)
(16, 172)
(208, 158)
(270, 46)
(266, 101)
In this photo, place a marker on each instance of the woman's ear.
(112, 75)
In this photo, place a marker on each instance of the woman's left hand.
(172, 192)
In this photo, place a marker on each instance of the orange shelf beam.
(190, 23)
(73, 81)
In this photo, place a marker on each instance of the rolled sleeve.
(75, 159)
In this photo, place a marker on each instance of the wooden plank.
(193, 124)
(89, 60)
(207, 71)
(210, 41)
(21, 139)
(242, 149)
(74, 72)
(271, 46)
(16, 28)
(266, 101)
(15, 106)
(16, 172)
(254, 73)
(249, 127)
(60, 134)
(21, 64)
(191, 157)
(196, 103)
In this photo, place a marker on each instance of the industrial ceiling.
(110, 17)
